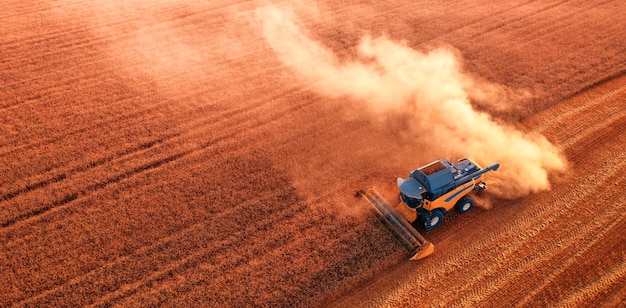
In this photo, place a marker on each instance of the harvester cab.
(425, 196)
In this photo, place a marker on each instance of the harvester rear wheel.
(464, 204)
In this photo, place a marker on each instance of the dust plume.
(179, 46)
(429, 87)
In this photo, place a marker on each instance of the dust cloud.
(429, 87)
(176, 45)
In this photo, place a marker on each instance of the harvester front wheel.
(435, 219)
(464, 204)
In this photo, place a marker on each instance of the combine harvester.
(427, 194)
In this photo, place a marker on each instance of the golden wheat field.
(184, 153)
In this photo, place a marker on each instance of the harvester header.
(401, 228)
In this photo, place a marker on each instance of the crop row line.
(561, 250)
(560, 23)
(560, 266)
(107, 38)
(85, 166)
(515, 234)
(509, 22)
(191, 235)
(214, 120)
(497, 13)
(564, 112)
(204, 256)
(88, 12)
(73, 196)
(287, 112)
(232, 131)
(116, 118)
(217, 269)
(526, 228)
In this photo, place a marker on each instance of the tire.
(435, 219)
(464, 204)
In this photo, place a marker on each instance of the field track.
(519, 252)
(163, 155)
